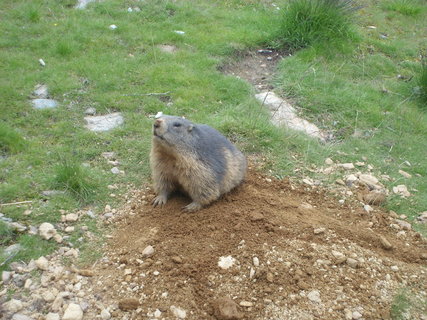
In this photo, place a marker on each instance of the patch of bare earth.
(297, 253)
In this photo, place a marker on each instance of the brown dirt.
(274, 221)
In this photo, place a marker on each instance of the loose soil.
(296, 232)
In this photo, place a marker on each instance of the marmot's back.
(196, 158)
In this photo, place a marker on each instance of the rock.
(42, 263)
(179, 32)
(13, 305)
(255, 261)
(44, 103)
(15, 226)
(42, 63)
(112, 27)
(12, 249)
(368, 208)
(49, 296)
(40, 91)
(18, 316)
(178, 312)
(90, 111)
(405, 174)
(128, 304)
(349, 180)
(6, 276)
(329, 161)
(394, 268)
(368, 180)
(71, 217)
(340, 182)
(385, 243)
(73, 312)
(338, 257)
(167, 48)
(148, 251)
(314, 296)
(47, 230)
(352, 262)
(226, 262)
(246, 304)
(177, 259)
(52, 316)
(105, 314)
(404, 224)
(374, 198)
(104, 123)
(226, 309)
(115, 170)
(85, 272)
(319, 230)
(256, 216)
(401, 190)
(308, 181)
(69, 229)
(356, 315)
(422, 217)
(346, 166)
(359, 164)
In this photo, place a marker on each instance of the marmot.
(194, 158)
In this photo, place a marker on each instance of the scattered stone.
(394, 268)
(340, 182)
(40, 91)
(356, 315)
(52, 316)
(178, 312)
(352, 262)
(319, 230)
(385, 243)
(226, 309)
(226, 262)
(6, 276)
(13, 305)
(338, 257)
(157, 313)
(42, 63)
(73, 312)
(404, 224)
(69, 229)
(91, 111)
(359, 164)
(346, 166)
(329, 161)
(255, 261)
(350, 180)
(256, 216)
(368, 208)
(422, 217)
(44, 103)
(112, 27)
(374, 198)
(308, 181)
(105, 314)
(18, 316)
(148, 251)
(401, 190)
(115, 170)
(177, 259)
(405, 174)
(314, 296)
(47, 230)
(368, 180)
(246, 304)
(128, 304)
(104, 123)
(179, 32)
(42, 263)
(71, 217)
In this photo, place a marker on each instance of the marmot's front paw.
(160, 200)
(194, 206)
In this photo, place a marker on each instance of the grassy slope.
(87, 64)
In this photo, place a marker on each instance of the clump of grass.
(10, 140)
(405, 7)
(307, 22)
(422, 78)
(75, 179)
(6, 234)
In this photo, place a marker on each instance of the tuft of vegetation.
(10, 140)
(6, 234)
(308, 22)
(406, 7)
(422, 79)
(76, 179)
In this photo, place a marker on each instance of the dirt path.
(298, 254)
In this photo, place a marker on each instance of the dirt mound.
(296, 253)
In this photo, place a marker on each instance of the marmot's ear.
(190, 128)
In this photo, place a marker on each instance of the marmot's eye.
(177, 124)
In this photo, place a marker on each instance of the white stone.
(71, 217)
(246, 303)
(113, 27)
(356, 315)
(178, 312)
(329, 161)
(394, 268)
(255, 261)
(226, 262)
(52, 316)
(351, 178)
(319, 230)
(104, 123)
(42, 263)
(404, 224)
(346, 166)
(13, 305)
(115, 170)
(42, 63)
(284, 114)
(148, 251)
(157, 313)
(368, 179)
(105, 315)
(179, 32)
(69, 229)
(44, 103)
(49, 296)
(47, 230)
(368, 208)
(401, 190)
(40, 91)
(352, 262)
(73, 312)
(18, 316)
(405, 174)
(314, 296)
(251, 273)
(5, 276)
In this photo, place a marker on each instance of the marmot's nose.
(157, 123)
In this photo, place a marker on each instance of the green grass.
(422, 79)
(406, 7)
(308, 22)
(10, 140)
(406, 305)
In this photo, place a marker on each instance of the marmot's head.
(172, 131)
